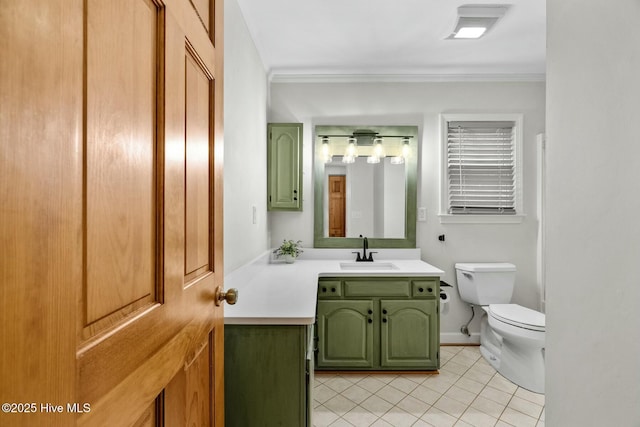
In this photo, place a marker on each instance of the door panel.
(121, 162)
(188, 395)
(112, 146)
(199, 96)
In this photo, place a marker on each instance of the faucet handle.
(371, 255)
(358, 258)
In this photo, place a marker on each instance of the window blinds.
(481, 167)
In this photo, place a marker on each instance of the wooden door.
(111, 212)
(337, 205)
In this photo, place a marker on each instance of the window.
(481, 168)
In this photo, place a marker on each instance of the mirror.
(365, 184)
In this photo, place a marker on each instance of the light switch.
(422, 214)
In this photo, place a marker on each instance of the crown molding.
(275, 77)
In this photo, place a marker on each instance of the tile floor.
(466, 392)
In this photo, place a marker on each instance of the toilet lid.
(518, 315)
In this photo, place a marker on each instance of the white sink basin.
(368, 266)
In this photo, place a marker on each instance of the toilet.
(512, 337)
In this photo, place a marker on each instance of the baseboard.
(458, 338)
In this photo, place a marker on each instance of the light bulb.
(352, 150)
(378, 150)
(406, 149)
(326, 153)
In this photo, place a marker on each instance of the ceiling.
(297, 38)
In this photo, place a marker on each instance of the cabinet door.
(409, 334)
(266, 379)
(345, 334)
(284, 170)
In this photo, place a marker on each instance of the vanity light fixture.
(475, 20)
(366, 143)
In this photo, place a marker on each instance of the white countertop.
(271, 292)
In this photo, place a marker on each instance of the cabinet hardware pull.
(384, 311)
(370, 311)
(384, 320)
(429, 290)
(370, 320)
(333, 289)
(420, 289)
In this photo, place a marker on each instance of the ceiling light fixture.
(474, 21)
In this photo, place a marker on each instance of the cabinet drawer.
(424, 288)
(376, 288)
(329, 288)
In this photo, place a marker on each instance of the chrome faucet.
(363, 257)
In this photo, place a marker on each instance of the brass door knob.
(231, 296)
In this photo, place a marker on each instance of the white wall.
(245, 144)
(419, 104)
(592, 214)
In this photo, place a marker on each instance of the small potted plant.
(289, 250)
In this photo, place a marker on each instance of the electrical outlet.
(422, 214)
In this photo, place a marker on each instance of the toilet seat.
(518, 316)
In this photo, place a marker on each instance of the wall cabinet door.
(345, 333)
(407, 337)
(284, 167)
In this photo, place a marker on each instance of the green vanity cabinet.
(284, 167)
(268, 373)
(378, 323)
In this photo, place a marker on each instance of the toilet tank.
(486, 283)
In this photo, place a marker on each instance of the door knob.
(231, 296)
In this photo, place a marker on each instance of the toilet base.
(524, 368)
(522, 365)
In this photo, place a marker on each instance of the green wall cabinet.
(268, 375)
(378, 323)
(284, 167)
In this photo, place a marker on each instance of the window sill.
(481, 219)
